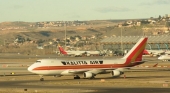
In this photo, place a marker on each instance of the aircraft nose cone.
(29, 69)
(159, 57)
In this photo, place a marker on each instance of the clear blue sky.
(70, 10)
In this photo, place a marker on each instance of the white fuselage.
(64, 67)
(83, 52)
(167, 52)
(156, 52)
(164, 57)
(75, 52)
(93, 52)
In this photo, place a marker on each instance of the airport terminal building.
(127, 42)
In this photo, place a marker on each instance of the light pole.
(65, 35)
(121, 41)
(143, 31)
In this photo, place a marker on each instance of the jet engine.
(88, 75)
(116, 73)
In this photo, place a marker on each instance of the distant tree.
(72, 38)
(18, 36)
(58, 40)
(28, 39)
(144, 22)
(68, 41)
(168, 24)
(40, 41)
(78, 36)
(125, 24)
(20, 39)
(81, 45)
(151, 18)
(159, 17)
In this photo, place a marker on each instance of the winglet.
(155, 65)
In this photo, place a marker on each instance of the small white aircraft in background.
(78, 53)
(164, 57)
(167, 52)
(91, 53)
(75, 53)
(153, 52)
(91, 67)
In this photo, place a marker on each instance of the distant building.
(167, 15)
(40, 47)
(138, 23)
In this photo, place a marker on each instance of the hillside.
(9, 31)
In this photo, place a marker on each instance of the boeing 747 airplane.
(89, 68)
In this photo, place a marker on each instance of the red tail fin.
(135, 54)
(62, 50)
(145, 52)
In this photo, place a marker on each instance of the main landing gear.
(93, 77)
(76, 77)
(41, 79)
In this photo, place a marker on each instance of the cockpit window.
(38, 62)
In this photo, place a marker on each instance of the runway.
(137, 80)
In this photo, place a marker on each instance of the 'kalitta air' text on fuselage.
(81, 62)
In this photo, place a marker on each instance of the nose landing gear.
(41, 78)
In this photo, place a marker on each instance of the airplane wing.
(77, 71)
(94, 71)
(122, 69)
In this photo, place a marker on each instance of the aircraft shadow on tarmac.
(149, 70)
(96, 78)
(30, 74)
(147, 77)
(17, 75)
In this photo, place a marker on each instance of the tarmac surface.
(134, 82)
(14, 78)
